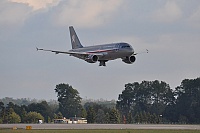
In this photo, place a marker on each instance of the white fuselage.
(109, 51)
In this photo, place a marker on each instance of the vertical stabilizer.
(74, 39)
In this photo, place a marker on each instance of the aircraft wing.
(54, 51)
(70, 52)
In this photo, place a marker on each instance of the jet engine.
(92, 58)
(129, 59)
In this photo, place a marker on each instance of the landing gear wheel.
(102, 63)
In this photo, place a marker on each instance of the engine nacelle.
(92, 58)
(129, 60)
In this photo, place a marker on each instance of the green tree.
(152, 119)
(156, 118)
(161, 96)
(49, 120)
(55, 116)
(100, 117)
(145, 119)
(10, 105)
(3, 116)
(2, 112)
(42, 108)
(33, 117)
(107, 118)
(69, 100)
(114, 116)
(130, 118)
(137, 118)
(45, 110)
(188, 101)
(125, 101)
(141, 117)
(23, 115)
(148, 117)
(148, 96)
(53, 105)
(59, 115)
(14, 118)
(1, 105)
(7, 111)
(91, 115)
(83, 113)
(183, 120)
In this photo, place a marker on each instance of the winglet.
(40, 49)
(143, 52)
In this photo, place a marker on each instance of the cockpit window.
(124, 45)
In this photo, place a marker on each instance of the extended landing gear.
(102, 62)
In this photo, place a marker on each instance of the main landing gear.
(102, 62)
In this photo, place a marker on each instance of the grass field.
(97, 131)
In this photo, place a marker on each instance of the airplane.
(101, 53)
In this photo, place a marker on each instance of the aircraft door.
(117, 47)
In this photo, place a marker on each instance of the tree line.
(145, 102)
(69, 106)
(156, 98)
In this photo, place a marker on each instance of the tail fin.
(74, 39)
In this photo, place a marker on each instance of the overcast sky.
(169, 29)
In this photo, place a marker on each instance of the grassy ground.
(97, 131)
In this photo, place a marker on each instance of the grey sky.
(170, 29)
